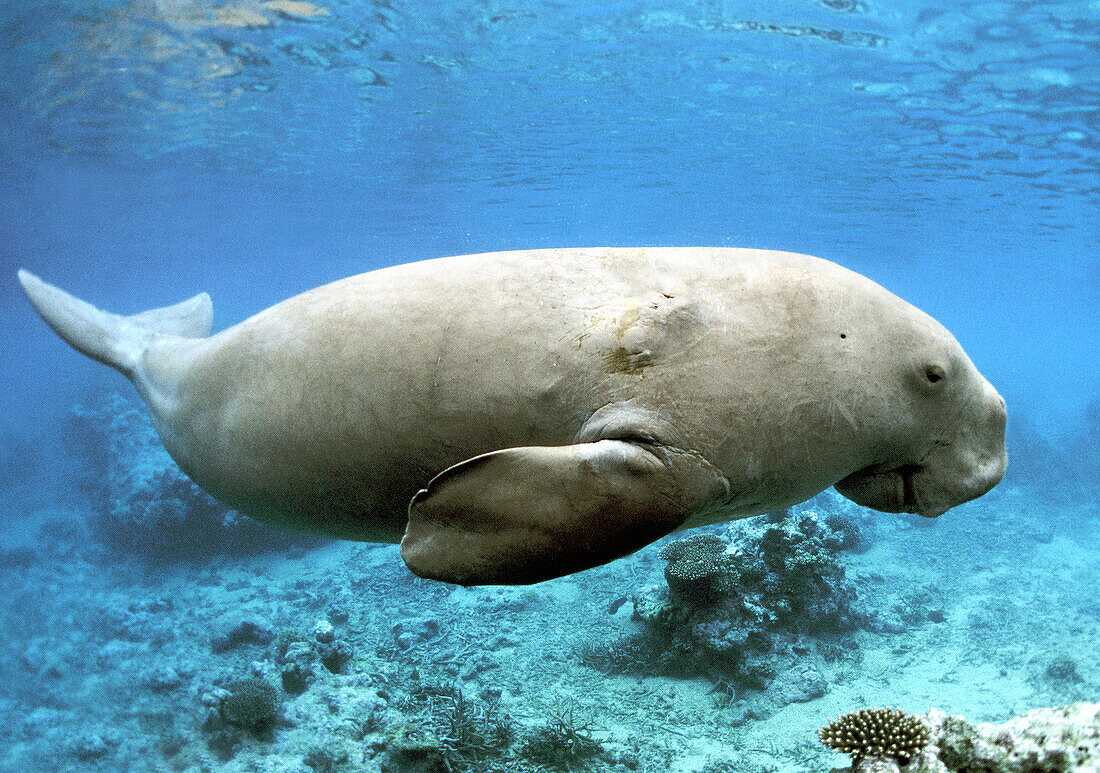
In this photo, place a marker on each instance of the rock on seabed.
(1051, 740)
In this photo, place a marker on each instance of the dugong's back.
(331, 409)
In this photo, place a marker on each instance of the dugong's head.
(942, 425)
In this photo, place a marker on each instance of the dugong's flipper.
(114, 339)
(523, 515)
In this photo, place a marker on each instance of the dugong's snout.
(957, 465)
(972, 462)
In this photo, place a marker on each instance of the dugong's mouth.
(891, 491)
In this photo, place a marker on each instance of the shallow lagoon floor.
(108, 664)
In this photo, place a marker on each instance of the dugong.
(515, 416)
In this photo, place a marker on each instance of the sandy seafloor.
(90, 639)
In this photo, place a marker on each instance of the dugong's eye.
(931, 378)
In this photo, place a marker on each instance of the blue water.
(948, 150)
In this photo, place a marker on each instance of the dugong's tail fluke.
(114, 339)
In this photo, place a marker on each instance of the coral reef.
(695, 571)
(736, 608)
(242, 630)
(104, 674)
(1047, 740)
(243, 708)
(452, 731)
(252, 704)
(1050, 740)
(471, 733)
(558, 746)
(145, 505)
(297, 656)
(875, 738)
(563, 742)
(1062, 669)
(409, 749)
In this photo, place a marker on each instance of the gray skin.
(511, 417)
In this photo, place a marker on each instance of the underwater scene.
(664, 509)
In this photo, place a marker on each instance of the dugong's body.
(515, 416)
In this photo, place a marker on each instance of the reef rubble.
(1062, 739)
(1051, 740)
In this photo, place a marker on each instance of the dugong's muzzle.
(954, 467)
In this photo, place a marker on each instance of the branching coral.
(877, 737)
(563, 742)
